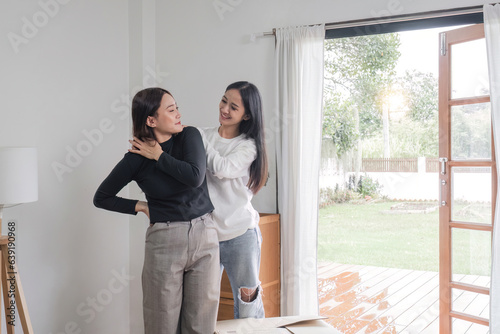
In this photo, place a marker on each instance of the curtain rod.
(392, 19)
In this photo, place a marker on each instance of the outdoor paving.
(367, 299)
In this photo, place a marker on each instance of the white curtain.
(299, 75)
(492, 34)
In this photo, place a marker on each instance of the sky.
(420, 50)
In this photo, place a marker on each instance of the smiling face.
(167, 119)
(231, 109)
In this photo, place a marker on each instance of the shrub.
(352, 191)
(368, 186)
(329, 196)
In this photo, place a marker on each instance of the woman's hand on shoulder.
(150, 150)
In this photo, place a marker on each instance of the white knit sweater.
(228, 166)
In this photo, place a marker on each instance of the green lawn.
(364, 234)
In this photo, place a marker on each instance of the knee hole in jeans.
(248, 295)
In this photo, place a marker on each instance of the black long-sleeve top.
(175, 186)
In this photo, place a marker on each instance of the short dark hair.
(253, 128)
(144, 104)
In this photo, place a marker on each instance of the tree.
(340, 125)
(422, 94)
(471, 131)
(416, 134)
(357, 70)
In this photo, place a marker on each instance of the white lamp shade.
(18, 175)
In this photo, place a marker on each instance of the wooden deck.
(365, 299)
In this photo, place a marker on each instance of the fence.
(406, 165)
(409, 179)
(390, 165)
(432, 165)
(399, 178)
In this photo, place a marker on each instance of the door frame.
(446, 283)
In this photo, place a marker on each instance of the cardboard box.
(278, 325)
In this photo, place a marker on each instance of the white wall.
(71, 66)
(73, 73)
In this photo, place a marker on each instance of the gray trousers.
(180, 277)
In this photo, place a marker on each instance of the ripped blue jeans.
(240, 257)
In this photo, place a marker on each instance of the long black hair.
(253, 128)
(144, 104)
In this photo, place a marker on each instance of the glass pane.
(471, 303)
(471, 132)
(460, 326)
(469, 68)
(471, 194)
(479, 329)
(471, 257)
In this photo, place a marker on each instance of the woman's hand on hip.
(150, 150)
(142, 206)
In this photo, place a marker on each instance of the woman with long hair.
(236, 170)
(180, 278)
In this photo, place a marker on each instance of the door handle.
(443, 162)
